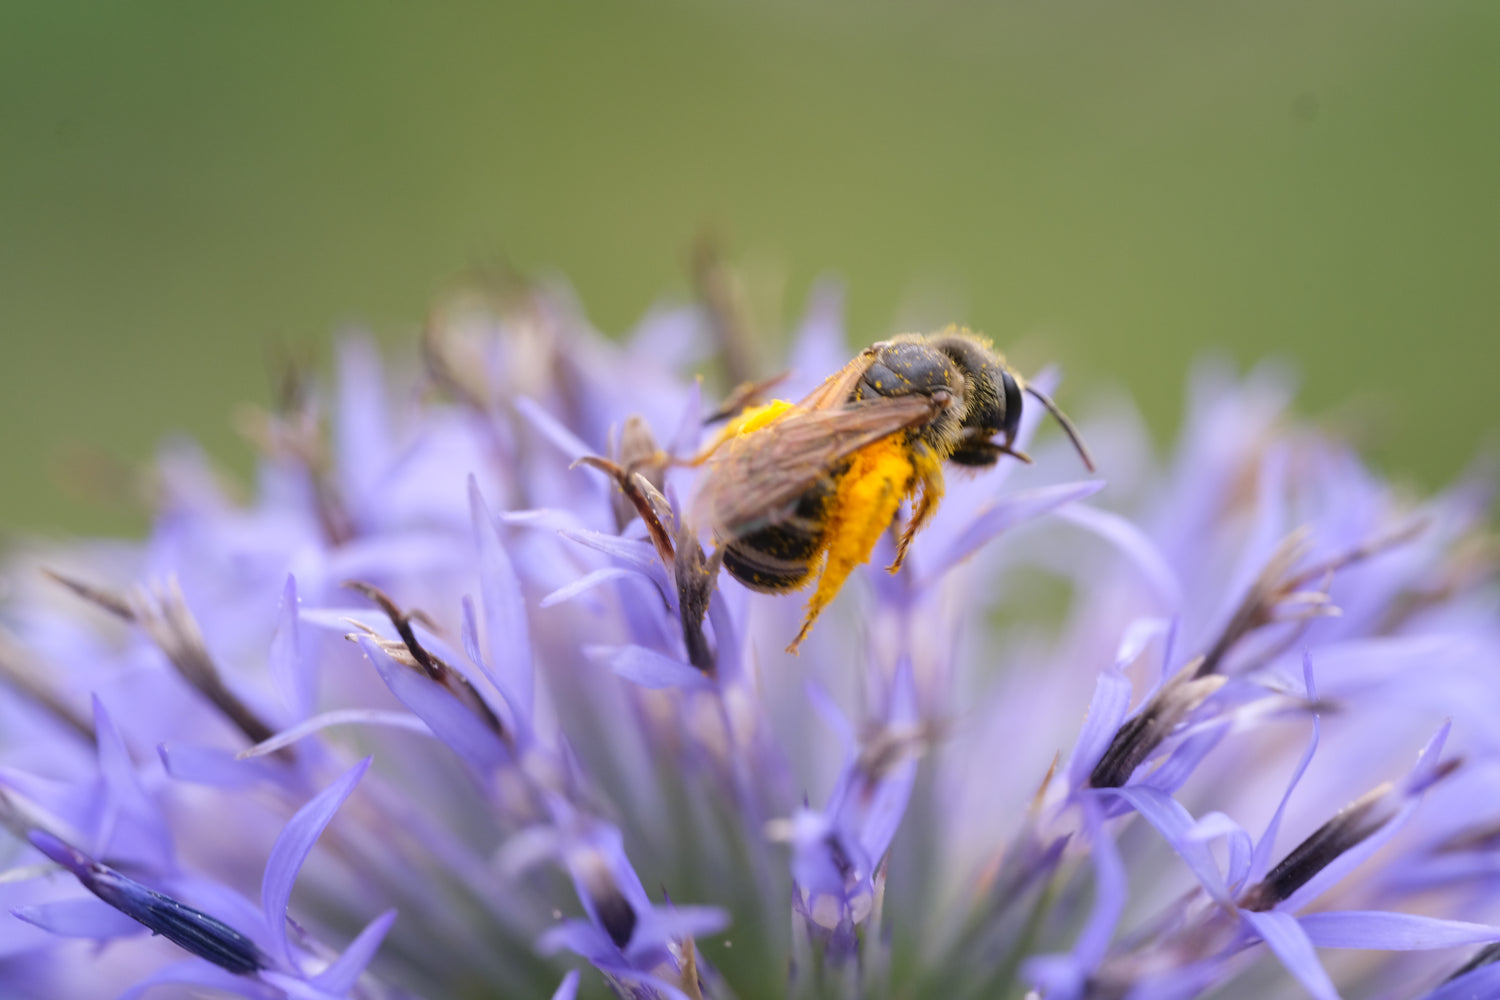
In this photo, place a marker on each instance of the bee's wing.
(833, 392)
(757, 479)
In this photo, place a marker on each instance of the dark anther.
(613, 910)
(164, 616)
(116, 604)
(1144, 732)
(1258, 607)
(1488, 955)
(1280, 595)
(618, 918)
(638, 454)
(189, 928)
(884, 748)
(645, 498)
(296, 437)
(199, 933)
(840, 857)
(418, 656)
(19, 669)
(1353, 824)
(401, 621)
(695, 588)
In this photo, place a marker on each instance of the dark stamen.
(18, 670)
(296, 437)
(108, 600)
(1278, 594)
(163, 614)
(1488, 955)
(1353, 824)
(613, 910)
(645, 498)
(1144, 732)
(695, 587)
(421, 658)
(186, 927)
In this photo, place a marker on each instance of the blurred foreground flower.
(1231, 725)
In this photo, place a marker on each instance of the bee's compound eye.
(1011, 390)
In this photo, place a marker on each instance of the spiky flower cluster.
(433, 713)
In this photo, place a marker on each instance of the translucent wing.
(756, 479)
(834, 391)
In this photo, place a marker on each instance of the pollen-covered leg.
(927, 493)
(867, 499)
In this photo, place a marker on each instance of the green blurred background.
(1132, 184)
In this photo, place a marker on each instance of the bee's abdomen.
(781, 556)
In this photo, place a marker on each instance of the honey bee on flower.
(802, 491)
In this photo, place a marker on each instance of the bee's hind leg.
(928, 492)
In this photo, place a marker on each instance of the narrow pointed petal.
(1176, 826)
(197, 974)
(1106, 712)
(1477, 984)
(1392, 931)
(292, 848)
(648, 668)
(449, 719)
(568, 988)
(339, 978)
(1283, 935)
(294, 676)
(505, 621)
(1007, 513)
(1134, 544)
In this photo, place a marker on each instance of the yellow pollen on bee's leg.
(929, 481)
(863, 506)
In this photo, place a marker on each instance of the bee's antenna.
(1067, 425)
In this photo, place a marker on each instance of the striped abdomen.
(781, 556)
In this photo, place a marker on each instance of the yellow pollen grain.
(748, 420)
(753, 418)
(869, 495)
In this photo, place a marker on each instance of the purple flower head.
(462, 698)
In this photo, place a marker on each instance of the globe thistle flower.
(454, 706)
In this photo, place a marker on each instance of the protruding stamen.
(189, 928)
(654, 510)
(163, 613)
(1144, 732)
(1353, 824)
(411, 652)
(695, 577)
(616, 916)
(17, 670)
(108, 600)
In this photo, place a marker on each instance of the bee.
(797, 492)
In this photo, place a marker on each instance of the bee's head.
(993, 404)
(993, 399)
